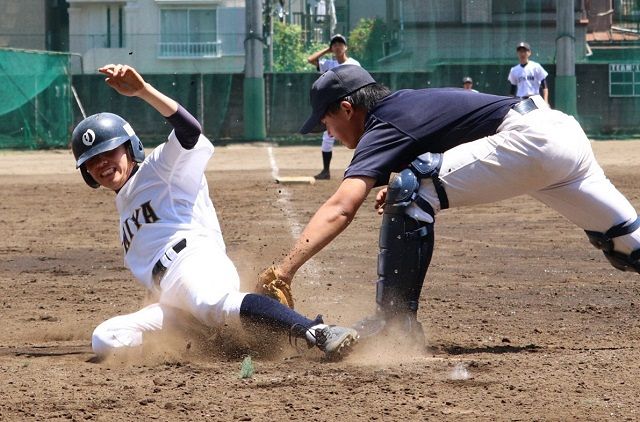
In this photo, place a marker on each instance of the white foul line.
(284, 199)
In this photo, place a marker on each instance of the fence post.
(253, 86)
(565, 91)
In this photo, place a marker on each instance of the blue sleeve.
(186, 126)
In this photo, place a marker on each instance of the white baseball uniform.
(527, 78)
(554, 163)
(325, 64)
(164, 203)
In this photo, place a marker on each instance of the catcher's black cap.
(338, 38)
(331, 86)
(524, 45)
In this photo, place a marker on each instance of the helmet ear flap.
(87, 178)
(136, 149)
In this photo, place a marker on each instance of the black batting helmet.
(100, 133)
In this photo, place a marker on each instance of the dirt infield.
(524, 319)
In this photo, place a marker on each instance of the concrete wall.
(141, 29)
(22, 24)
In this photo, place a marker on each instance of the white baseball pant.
(327, 142)
(188, 287)
(545, 154)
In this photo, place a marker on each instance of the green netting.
(35, 99)
(591, 51)
(215, 99)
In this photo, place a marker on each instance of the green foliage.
(366, 41)
(289, 52)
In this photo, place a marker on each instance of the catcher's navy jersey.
(409, 122)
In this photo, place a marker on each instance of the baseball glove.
(270, 285)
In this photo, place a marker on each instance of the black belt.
(525, 106)
(159, 268)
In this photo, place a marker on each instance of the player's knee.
(624, 262)
(101, 343)
(604, 242)
(219, 309)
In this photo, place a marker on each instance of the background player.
(338, 49)
(461, 149)
(467, 83)
(528, 78)
(169, 230)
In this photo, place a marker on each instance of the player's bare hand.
(381, 198)
(124, 79)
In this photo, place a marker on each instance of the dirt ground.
(524, 319)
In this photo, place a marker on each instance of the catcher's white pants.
(545, 154)
(202, 283)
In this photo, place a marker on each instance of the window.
(188, 33)
(115, 26)
(624, 80)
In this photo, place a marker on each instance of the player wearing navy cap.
(449, 148)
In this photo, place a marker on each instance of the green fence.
(217, 100)
(403, 43)
(35, 105)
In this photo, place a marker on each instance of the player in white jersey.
(169, 230)
(528, 78)
(338, 48)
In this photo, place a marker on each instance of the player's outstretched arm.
(127, 81)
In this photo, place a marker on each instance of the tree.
(366, 41)
(289, 51)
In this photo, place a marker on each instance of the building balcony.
(169, 50)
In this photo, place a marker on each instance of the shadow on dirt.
(459, 350)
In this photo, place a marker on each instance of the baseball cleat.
(402, 325)
(335, 341)
(371, 326)
(323, 175)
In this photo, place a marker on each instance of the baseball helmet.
(100, 133)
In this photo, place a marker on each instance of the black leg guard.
(406, 247)
(604, 242)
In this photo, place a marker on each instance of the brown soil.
(524, 319)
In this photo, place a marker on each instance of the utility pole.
(565, 92)
(253, 86)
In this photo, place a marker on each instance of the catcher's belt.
(525, 106)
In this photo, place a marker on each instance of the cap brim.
(313, 124)
(103, 147)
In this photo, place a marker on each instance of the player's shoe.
(335, 341)
(403, 324)
(323, 175)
